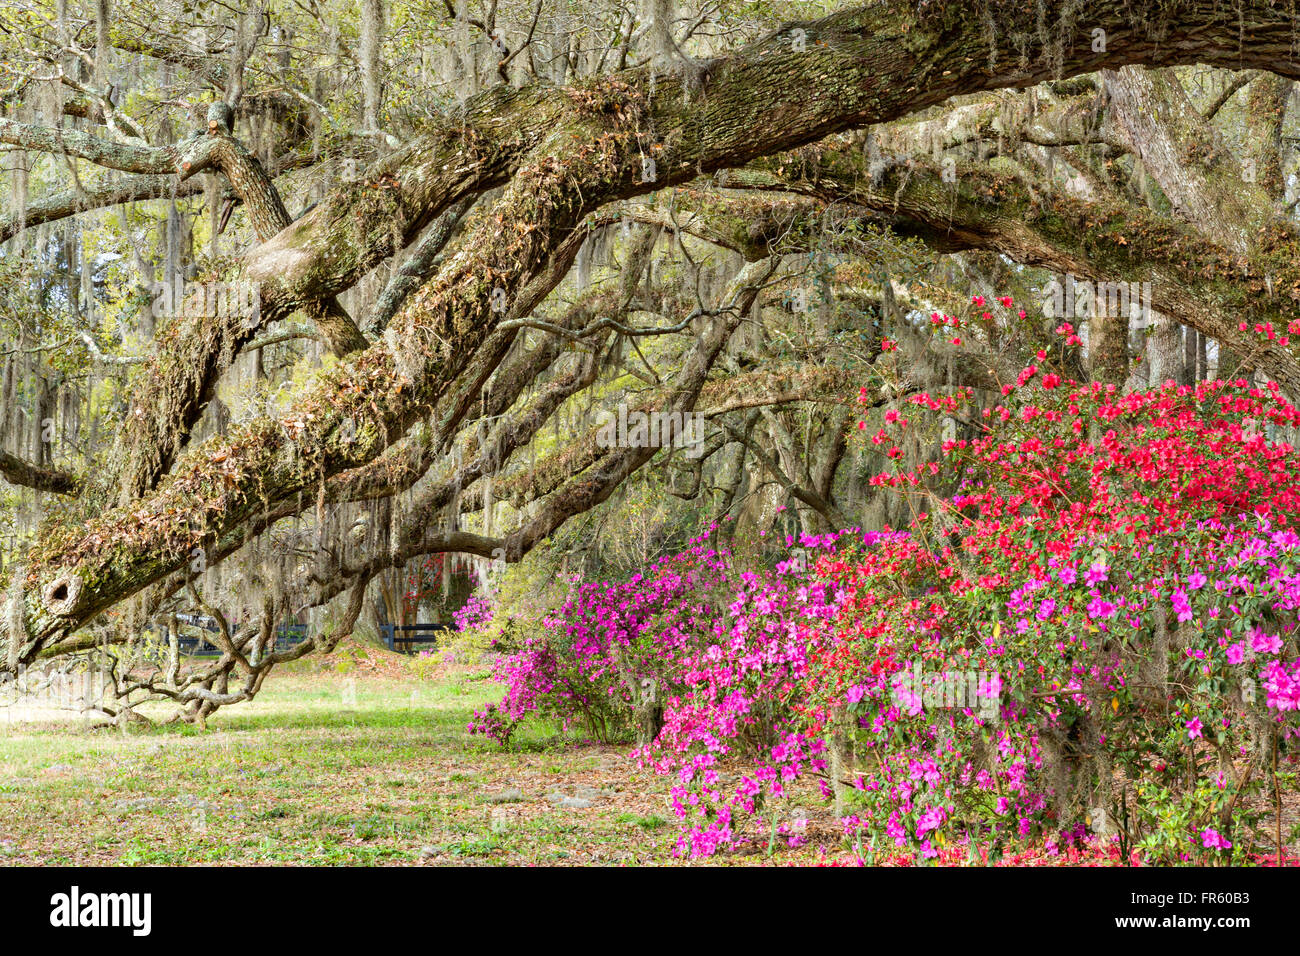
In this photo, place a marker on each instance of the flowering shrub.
(737, 692)
(473, 614)
(614, 655)
(1091, 633)
(1121, 567)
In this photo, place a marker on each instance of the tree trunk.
(1108, 343)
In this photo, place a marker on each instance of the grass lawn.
(359, 759)
(303, 776)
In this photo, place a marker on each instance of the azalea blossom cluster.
(1122, 570)
(738, 694)
(718, 646)
(475, 613)
(597, 648)
(1125, 560)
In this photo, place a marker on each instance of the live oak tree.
(761, 203)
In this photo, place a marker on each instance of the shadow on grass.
(540, 735)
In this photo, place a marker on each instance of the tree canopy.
(300, 296)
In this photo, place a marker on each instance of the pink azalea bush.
(475, 613)
(613, 645)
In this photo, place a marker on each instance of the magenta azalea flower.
(1100, 609)
(1263, 643)
(1211, 839)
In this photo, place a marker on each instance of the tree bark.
(561, 154)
